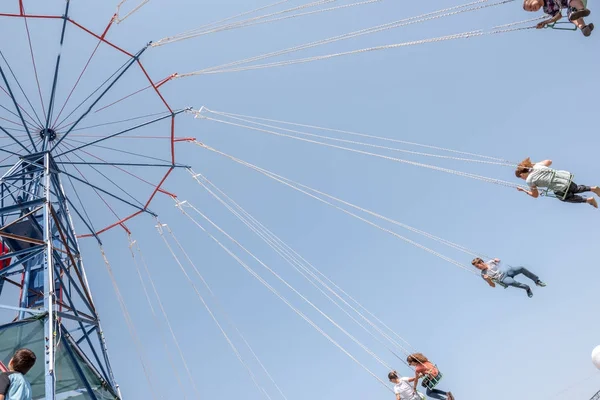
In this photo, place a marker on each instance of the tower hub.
(48, 133)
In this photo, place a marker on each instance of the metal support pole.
(54, 82)
(40, 236)
(48, 286)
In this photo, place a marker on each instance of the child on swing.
(429, 372)
(541, 175)
(402, 388)
(576, 11)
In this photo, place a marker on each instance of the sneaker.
(587, 30)
(529, 293)
(575, 15)
(540, 283)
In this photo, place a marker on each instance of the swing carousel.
(96, 143)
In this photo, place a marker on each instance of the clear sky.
(528, 93)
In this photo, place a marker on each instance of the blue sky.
(529, 93)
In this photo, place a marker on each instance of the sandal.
(587, 30)
(575, 15)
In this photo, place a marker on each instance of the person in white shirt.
(540, 175)
(493, 272)
(402, 387)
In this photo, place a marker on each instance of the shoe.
(450, 396)
(587, 30)
(529, 293)
(540, 283)
(575, 15)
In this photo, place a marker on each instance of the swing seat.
(561, 196)
(430, 382)
(560, 26)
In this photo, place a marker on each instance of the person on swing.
(493, 272)
(576, 11)
(541, 175)
(430, 374)
(402, 388)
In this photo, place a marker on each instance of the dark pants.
(571, 195)
(514, 271)
(437, 394)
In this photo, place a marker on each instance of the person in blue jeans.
(493, 272)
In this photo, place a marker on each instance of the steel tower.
(45, 299)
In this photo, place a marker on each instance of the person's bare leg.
(578, 4)
(585, 29)
(580, 11)
(579, 23)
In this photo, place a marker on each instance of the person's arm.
(1, 397)
(397, 397)
(546, 163)
(415, 380)
(533, 192)
(490, 282)
(486, 278)
(545, 22)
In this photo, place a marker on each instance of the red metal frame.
(83, 72)
(102, 38)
